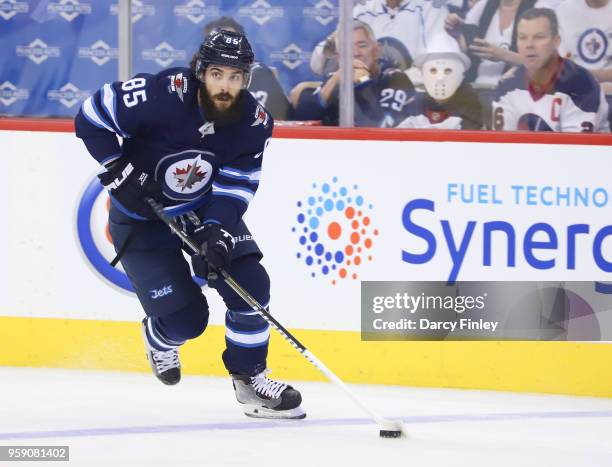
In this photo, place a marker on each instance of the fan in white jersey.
(403, 26)
(548, 93)
(586, 36)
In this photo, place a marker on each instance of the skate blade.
(255, 411)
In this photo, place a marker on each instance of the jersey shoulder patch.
(261, 117)
(256, 114)
(178, 82)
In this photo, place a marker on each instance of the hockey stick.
(388, 428)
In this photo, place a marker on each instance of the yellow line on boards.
(546, 367)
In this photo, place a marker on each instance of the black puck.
(390, 433)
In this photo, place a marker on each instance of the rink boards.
(401, 207)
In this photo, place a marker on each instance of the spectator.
(488, 36)
(403, 26)
(381, 91)
(449, 102)
(263, 85)
(548, 93)
(586, 33)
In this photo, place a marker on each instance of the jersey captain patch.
(185, 175)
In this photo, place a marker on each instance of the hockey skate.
(262, 397)
(165, 365)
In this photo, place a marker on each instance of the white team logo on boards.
(138, 10)
(324, 12)
(196, 10)
(99, 52)
(291, 56)
(9, 8)
(37, 51)
(9, 93)
(68, 95)
(69, 9)
(164, 54)
(261, 12)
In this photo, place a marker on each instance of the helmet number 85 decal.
(232, 40)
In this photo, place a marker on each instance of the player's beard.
(220, 116)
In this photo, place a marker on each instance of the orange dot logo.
(334, 230)
(333, 224)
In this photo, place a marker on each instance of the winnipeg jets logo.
(261, 117)
(192, 174)
(207, 129)
(178, 84)
(186, 175)
(592, 45)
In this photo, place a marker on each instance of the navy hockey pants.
(175, 306)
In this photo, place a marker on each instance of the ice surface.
(129, 419)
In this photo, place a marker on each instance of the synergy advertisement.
(329, 215)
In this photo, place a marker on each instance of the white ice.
(127, 419)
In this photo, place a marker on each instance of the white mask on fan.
(442, 77)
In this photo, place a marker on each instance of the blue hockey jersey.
(379, 102)
(195, 162)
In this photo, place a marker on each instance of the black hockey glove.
(130, 187)
(217, 245)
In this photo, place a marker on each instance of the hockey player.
(548, 93)
(381, 91)
(264, 84)
(193, 139)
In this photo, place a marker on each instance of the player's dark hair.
(534, 13)
(225, 22)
